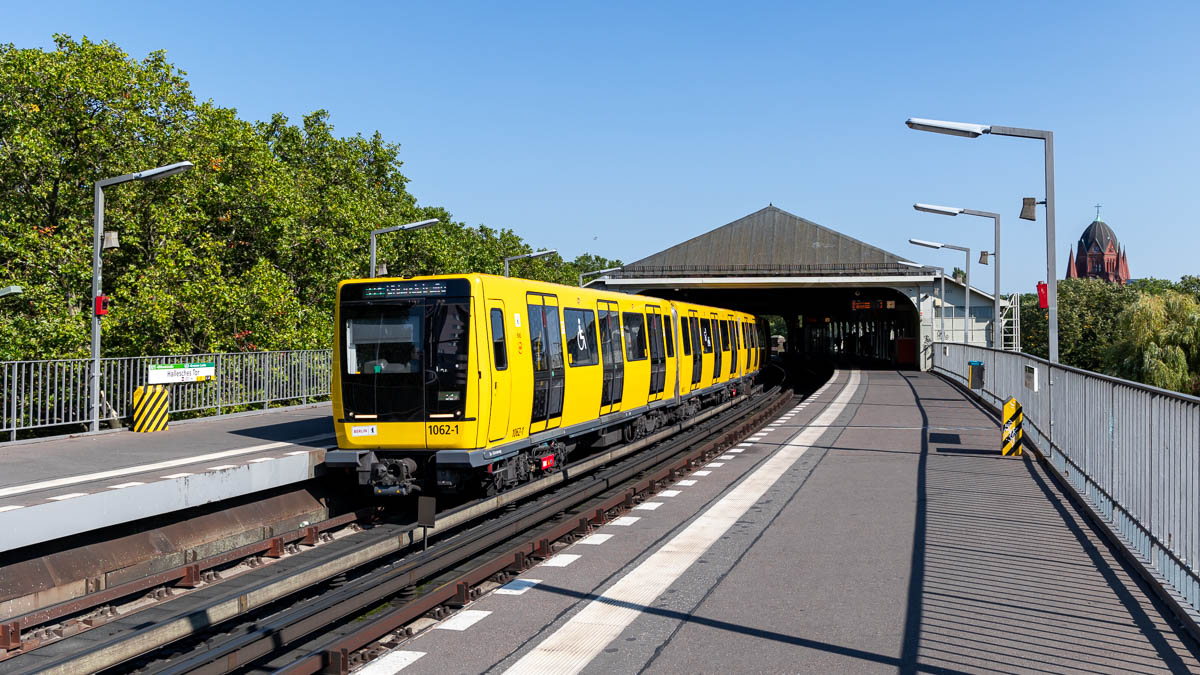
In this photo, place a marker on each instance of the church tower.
(1098, 255)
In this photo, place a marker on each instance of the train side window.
(724, 335)
(580, 325)
(499, 349)
(706, 335)
(686, 334)
(635, 335)
(670, 336)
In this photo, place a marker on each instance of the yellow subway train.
(476, 383)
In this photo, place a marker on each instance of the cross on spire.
(1097, 212)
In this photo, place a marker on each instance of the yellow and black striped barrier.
(150, 408)
(1011, 432)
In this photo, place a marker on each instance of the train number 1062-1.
(443, 429)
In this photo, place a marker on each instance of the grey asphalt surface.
(29, 462)
(901, 541)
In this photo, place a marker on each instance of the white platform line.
(668, 493)
(701, 473)
(714, 465)
(736, 450)
(686, 482)
(390, 663)
(561, 560)
(157, 466)
(11, 507)
(133, 483)
(463, 620)
(647, 506)
(517, 586)
(624, 521)
(595, 539)
(177, 475)
(222, 467)
(573, 646)
(68, 496)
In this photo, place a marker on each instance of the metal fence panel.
(1132, 451)
(43, 394)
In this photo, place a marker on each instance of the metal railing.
(1131, 450)
(814, 269)
(43, 394)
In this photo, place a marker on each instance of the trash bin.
(975, 374)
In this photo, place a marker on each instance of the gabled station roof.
(770, 242)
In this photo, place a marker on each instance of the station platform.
(873, 528)
(60, 487)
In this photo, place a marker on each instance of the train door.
(701, 345)
(669, 322)
(733, 345)
(501, 382)
(658, 353)
(611, 356)
(545, 347)
(720, 339)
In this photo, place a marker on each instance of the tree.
(1087, 319)
(241, 253)
(959, 275)
(1158, 342)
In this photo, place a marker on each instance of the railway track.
(314, 596)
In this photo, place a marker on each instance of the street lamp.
(595, 272)
(941, 295)
(983, 260)
(395, 228)
(967, 302)
(1047, 137)
(102, 241)
(537, 254)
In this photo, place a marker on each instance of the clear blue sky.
(623, 128)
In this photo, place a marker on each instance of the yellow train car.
(479, 382)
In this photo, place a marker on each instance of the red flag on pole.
(1043, 300)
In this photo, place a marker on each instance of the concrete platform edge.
(1188, 617)
(52, 520)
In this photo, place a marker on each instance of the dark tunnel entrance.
(865, 327)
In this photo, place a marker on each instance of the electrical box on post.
(102, 303)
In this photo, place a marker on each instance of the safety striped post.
(150, 405)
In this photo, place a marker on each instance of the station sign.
(175, 373)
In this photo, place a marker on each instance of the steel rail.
(334, 655)
(390, 540)
(366, 593)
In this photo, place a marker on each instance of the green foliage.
(1158, 342)
(959, 275)
(241, 253)
(1087, 320)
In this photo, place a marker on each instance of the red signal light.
(1043, 295)
(102, 304)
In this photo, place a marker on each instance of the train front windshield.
(405, 349)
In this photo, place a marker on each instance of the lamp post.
(537, 254)
(101, 241)
(395, 228)
(967, 294)
(953, 211)
(1047, 137)
(594, 273)
(941, 295)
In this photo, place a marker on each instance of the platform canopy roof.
(770, 242)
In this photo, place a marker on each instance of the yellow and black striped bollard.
(150, 408)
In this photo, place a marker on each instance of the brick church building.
(1098, 255)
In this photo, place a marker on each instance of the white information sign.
(175, 373)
